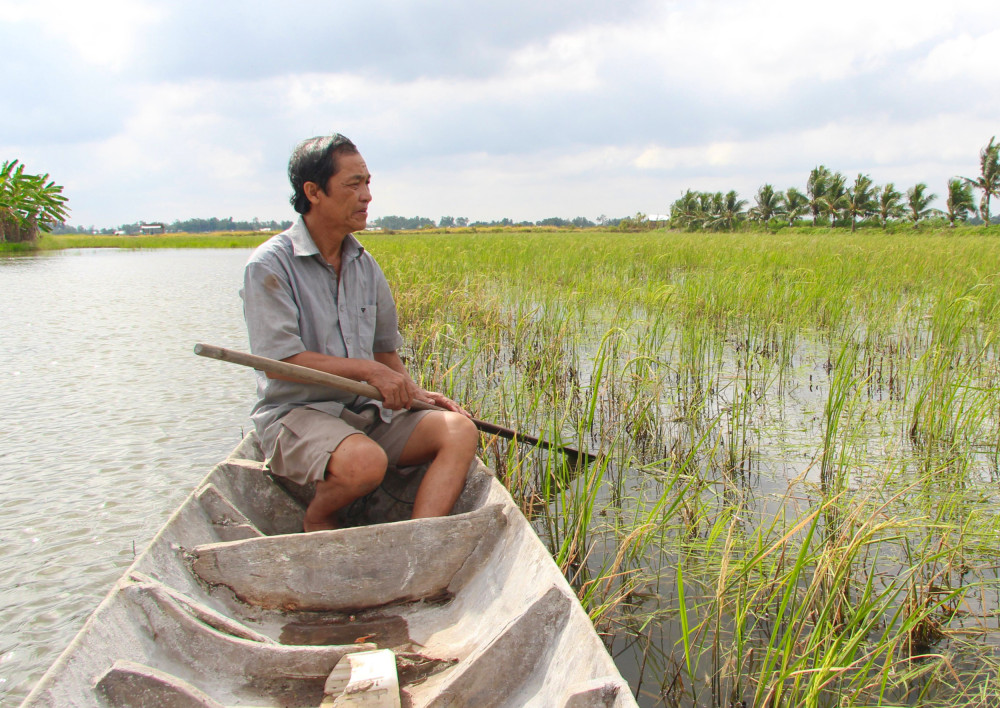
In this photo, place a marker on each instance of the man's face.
(343, 206)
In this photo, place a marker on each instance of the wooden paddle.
(359, 388)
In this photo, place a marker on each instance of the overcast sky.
(172, 109)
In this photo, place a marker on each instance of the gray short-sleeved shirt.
(293, 302)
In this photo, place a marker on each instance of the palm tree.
(727, 211)
(684, 213)
(711, 207)
(796, 204)
(918, 203)
(732, 209)
(767, 205)
(698, 210)
(988, 181)
(834, 196)
(816, 189)
(859, 200)
(960, 202)
(890, 204)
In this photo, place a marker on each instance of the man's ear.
(310, 189)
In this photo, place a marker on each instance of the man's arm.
(397, 388)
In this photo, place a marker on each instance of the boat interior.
(232, 605)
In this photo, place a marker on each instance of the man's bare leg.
(449, 441)
(355, 469)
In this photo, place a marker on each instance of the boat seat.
(229, 522)
(523, 648)
(353, 568)
(130, 685)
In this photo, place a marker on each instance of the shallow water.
(107, 421)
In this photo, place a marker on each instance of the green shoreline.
(251, 239)
(221, 239)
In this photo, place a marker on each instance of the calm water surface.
(107, 421)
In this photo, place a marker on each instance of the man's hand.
(442, 401)
(398, 390)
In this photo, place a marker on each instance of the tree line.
(408, 223)
(830, 199)
(187, 226)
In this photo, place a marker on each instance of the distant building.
(154, 228)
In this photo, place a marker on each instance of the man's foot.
(328, 524)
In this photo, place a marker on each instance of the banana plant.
(28, 203)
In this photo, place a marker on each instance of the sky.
(163, 110)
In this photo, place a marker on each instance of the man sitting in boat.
(314, 296)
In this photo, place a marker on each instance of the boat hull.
(230, 605)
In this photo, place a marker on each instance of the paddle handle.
(300, 373)
(359, 388)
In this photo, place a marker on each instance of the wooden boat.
(231, 605)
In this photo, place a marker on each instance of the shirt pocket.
(367, 318)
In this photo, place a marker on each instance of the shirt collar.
(351, 248)
(303, 244)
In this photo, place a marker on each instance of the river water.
(107, 421)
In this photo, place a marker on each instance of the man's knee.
(465, 432)
(458, 437)
(358, 463)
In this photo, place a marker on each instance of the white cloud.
(965, 57)
(103, 33)
(525, 111)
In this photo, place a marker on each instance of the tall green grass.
(795, 502)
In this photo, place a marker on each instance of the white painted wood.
(366, 679)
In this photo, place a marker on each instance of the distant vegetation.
(190, 226)
(831, 200)
(383, 223)
(406, 223)
(222, 239)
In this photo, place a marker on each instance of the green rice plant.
(844, 388)
(681, 360)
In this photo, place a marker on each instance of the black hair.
(315, 160)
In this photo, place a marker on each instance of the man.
(313, 296)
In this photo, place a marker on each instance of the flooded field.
(796, 502)
(796, 497)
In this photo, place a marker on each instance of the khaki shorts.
(308, 437)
